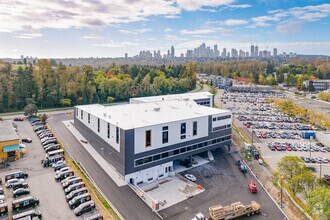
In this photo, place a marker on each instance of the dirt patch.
(188, 189)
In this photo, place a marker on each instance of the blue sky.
(99, 28)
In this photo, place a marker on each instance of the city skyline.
(60, 29)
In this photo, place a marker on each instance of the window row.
(165, 136)
(221, 127)
(221, 118)
(181, 150)
(207, 103)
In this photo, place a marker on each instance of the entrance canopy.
(11, 148)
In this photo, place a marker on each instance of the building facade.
(317, 85)
(9, 142)
(142, 140)
(219, 81)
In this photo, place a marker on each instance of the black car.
(21, 192)
(85, 207)
(27, 140)
(20, 185)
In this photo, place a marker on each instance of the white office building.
(142, 140)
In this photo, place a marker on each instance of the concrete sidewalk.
(116, 177)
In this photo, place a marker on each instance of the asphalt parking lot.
(41, 180)
(279, 129)
(224, 184)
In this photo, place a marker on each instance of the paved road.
(124, 199)
(224, 184)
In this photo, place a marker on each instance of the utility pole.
(281, 194)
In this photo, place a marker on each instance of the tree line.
(54, 85)
(270, 72)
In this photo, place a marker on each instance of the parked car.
(18, 119)
(190, 177)
(24, 203)
(16, 174)
(11, 182)
(85, 207)
(20, 192)
(27, 140)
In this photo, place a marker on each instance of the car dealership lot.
(41, 180)
(275, 134)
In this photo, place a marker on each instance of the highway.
(124, 199)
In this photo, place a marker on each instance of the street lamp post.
(320, 169)
(310, 146)
(281, 194)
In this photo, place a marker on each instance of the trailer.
(233, 211)
(308, 134)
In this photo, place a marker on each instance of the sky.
(111, 28)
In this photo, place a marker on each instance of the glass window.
(183, 136)
(164, 155)
(165, 137)
(189, 148)
(182, 150)
(148, 138)
(98, 125)
(82, 114)
(138, 162)
(214, 119)
(195, 146)
(165, 128)
(195, 128)
(89, 118)
(156, 157)
(147, 160)
(200, 145)
(108, 130)
(183, 128)
(117, 135)
(175, 152)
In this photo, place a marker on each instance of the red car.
(288, 148)
(18, 119)
(278, 148)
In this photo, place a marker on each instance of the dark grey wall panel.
(115, 158)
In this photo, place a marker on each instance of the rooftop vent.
(105, 114)
(186, 99)
(156, 109)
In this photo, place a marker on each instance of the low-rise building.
(317, 85)
(201, 98)
(220, 82)
(9, 142)
(143, 139)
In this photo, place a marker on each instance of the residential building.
(9, 142)
(317, 85)
(142, 140)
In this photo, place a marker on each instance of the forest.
(56, 85)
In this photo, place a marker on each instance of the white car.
(58, 163)
(10, 182)
(63, 169)
(190, 177)
(260, 161)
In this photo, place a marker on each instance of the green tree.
(30, 109)
(290, 166)
(319, 199)
(66, 102)
(110, 99)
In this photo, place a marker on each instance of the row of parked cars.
(315, 159)
(22, 200)
(76, 193)
(278, 135)
(272, 126)
(277, 146)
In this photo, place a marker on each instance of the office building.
(256, 51)
(275, 52)
(252, 51)
(142, 140)
(219, 81)
(172, 52)
(317, 85)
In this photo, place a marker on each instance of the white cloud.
(92, 37)
(113, 44)
(28, 35)
(172, 16)
(307, 14)
(240, 6)
(232, 22)
(192, 5)
(167, 29)
(137, 31)
(202, 30)
(291, 26)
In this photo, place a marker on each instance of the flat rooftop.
(7, 132)
(188, 96)
(130, 116)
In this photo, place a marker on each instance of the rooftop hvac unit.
(156, 109)
(105, 114)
